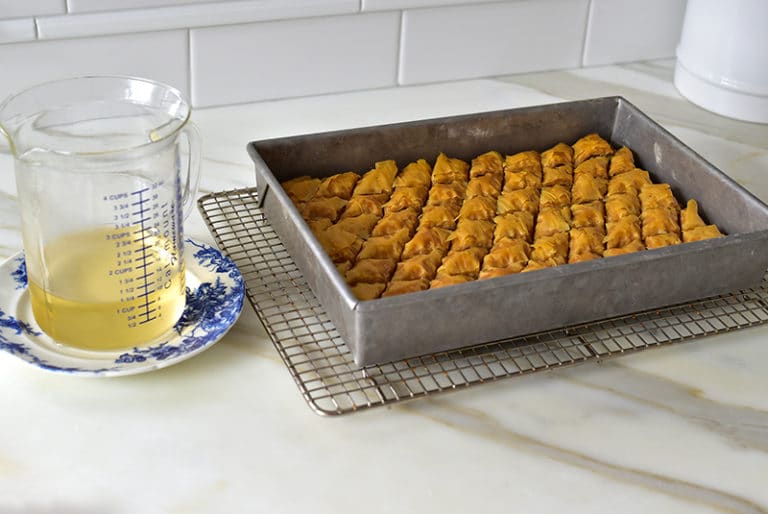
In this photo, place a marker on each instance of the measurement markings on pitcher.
(147, 309)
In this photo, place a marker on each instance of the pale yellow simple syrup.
(107, 289)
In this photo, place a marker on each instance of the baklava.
(393, 231)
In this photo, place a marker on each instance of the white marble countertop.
(677, 429)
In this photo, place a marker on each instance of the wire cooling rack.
(332, 384)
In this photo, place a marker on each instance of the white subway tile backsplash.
(632, 30)
(242, 63)
(20, 8)
(491, 39)
(17, 30)
(388, 5)
(183, 16)
(234, 51)
(160, 56)
(76, 6)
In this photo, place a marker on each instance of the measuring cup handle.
(5, 141)
(192, 180)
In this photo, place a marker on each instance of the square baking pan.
(398, 327)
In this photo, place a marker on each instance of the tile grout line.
(590, 8)
(400, 46)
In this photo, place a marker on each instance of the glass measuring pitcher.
(102, 181)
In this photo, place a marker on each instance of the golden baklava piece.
(509, 253)
(363, 204)
(596, 167)
(514, 225)
(449, 170)
(301, 189)
(586, 244)
(478, 208)
(441, 216)
(377, 181)
(361, 226)
(409, 197)
(591, 214)
(340, 185)
(398, 287)
(396, 221)
(620, 205)
(553, 220)
(371, 271)
(463, 262)
(591, 145)
(319, 208)
(444, 280)
(364, 291)
(415, 174)
(426, 240)
(587, 188)
(693, 227)
(526, 199)
(341, 245)
(419, 266)
(629, 182)
(621, 161)
(559, 155)
(487, 164)
(485, 185)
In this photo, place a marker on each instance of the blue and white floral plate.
(215, 292)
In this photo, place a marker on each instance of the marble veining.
(677, 429)
(744, 426)
(478, 423)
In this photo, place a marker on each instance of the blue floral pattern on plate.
(213, 305)
(19, 275)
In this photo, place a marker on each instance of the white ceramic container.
(722, 58)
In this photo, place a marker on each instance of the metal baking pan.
(430, 321)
